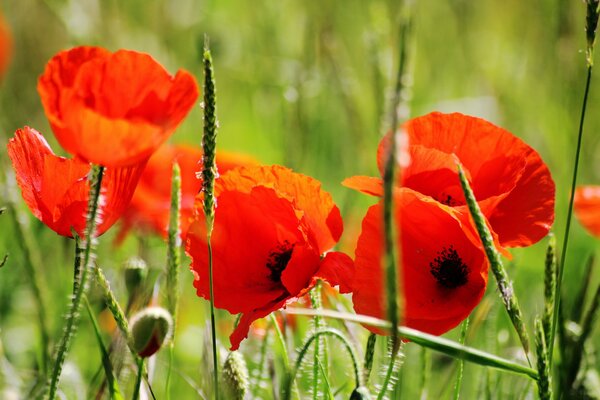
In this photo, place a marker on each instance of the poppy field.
(299, 200)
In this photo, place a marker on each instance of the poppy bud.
(235, 376)
(150, 328)
(360, 393)
(135, 272)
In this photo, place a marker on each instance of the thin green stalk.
(392, 254)
(261, 362)
(440, 344)
(138, 379)
(461, 364)
(392, 368)
(504, 284)
(113, 386)
(209, 171)
(425, 372)
(320, 345)
(86, 264)
(590, 29)
(323, 332)
(285, 389)
(33, 265)
(173, 263)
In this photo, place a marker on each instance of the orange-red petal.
(587, 208)
(434, 237)
(56, 189)
(6, 46)
(494, 157)
(320, 212)
(113, 109)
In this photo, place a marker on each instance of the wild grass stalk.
(590, 31)
(173, 263)
(86, 264)
(34, 267)
(504, 284)
(544, 381)
(369, 357)
(209, 171)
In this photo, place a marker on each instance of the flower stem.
(461, 364)
(86, 264)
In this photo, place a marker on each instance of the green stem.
(33, 265)
(369, 357)
(86, 265)
(315, 299)
(442, 345)
(285, 390)
(561, 266)
(323, 332)
(138, 379)
(391, 368)
(461, 364)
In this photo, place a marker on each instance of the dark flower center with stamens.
(448, 268)
(447, 200)
(278, 260)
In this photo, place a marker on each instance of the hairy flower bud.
(135, 271)
(235, 376)
(150, 328)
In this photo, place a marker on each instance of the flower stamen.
(449, 269)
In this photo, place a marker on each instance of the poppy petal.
(494, 157)
(444, 270)
(271, 221)
(338, 270)
(320, 212)
(113, 109)
(243, 327)
(587, 208)
(365, 184)
(56, 189)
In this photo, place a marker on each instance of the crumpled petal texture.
(113, 109)
(56, 188)
(271, 229)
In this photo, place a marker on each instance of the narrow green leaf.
(113, 386)
(442, 345)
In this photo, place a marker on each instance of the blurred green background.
(306, 84)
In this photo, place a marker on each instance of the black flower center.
(447, 200)
(278, 259)
(448, 268)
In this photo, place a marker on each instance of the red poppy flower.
(5, 45)
(150, 206)
(512, 184)
(587, 208)
(113, 109)
(443, 269)
(56, 189)
(272, 227)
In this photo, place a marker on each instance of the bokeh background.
(307, 84)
